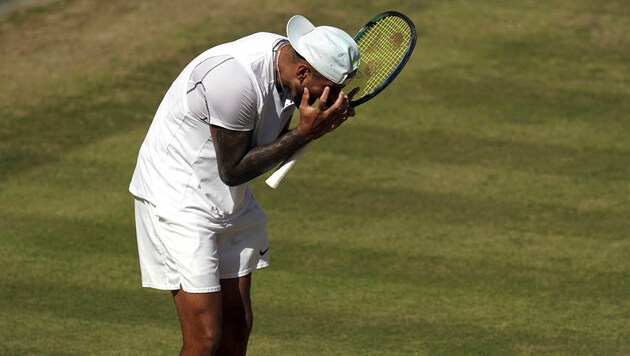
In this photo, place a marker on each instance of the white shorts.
(183, 251)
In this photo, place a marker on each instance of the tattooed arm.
(239, 162)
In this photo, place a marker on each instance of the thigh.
(200, 314)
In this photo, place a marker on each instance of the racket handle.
(274, 180)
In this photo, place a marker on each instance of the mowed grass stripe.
(100, 301)
(521, 101)
(449, 208)
(88, 181)
(581, 193)
(563, 253)
(68, 335)
(489, 122)
(100, 110)
(415, 144)
(504, 273)
(409, 149)
(447, 336)
(425, 312)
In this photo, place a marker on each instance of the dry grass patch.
(89, 37)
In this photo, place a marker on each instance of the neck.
(278, 75)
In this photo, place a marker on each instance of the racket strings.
(383, 47)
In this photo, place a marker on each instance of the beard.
(299, 93)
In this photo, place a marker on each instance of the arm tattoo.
(239, 162)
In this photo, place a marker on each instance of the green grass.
(480, 206)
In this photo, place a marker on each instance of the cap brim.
(297, 27)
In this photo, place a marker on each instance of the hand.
(317, 121)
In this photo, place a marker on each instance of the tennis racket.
(385, 44)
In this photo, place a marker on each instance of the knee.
(211, 337)
(204, 341)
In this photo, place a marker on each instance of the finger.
(343, 97)
(339, 105)
(305, 98)
(347, 109)
(346, 101)
(324, 98)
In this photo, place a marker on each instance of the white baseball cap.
(331, 51)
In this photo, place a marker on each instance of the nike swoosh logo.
(262, 253)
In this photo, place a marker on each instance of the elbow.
(230, 180)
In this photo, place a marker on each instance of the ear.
(302, 72)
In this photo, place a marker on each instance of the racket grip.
(274, 180)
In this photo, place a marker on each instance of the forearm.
(239, 162)
(238, 166)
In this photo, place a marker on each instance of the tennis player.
(223, 122)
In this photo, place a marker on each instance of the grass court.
(479, 206)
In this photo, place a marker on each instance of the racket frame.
(400, 66)
(274, 180)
